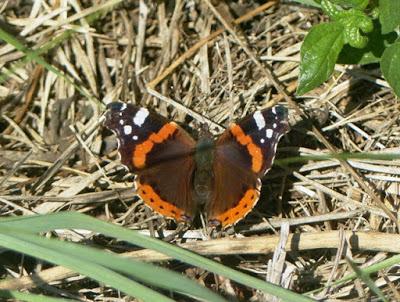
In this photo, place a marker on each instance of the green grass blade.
(11, 294)
(68, 220)
(341, 155)
(39, 247)
(145, 272)
(374, 268)
(34, 56)
(367, 280)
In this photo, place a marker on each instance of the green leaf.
(372, 53)
(390, 66)
(319, 53)
(355, 22)
(389, 15)
(314, 3)
(356, 25)
(360, 4)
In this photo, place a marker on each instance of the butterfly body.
(177, 175)
(203, 178)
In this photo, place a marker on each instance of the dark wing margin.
(263, 129)
(133, 126)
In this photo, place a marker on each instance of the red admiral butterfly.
(176, 174)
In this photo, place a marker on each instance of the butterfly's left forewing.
(244, 153)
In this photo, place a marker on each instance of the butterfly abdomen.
(203, 181)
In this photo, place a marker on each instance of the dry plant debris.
(198, 61)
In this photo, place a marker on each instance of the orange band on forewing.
(237, 213)
(254, 150)
(141, 150)
(154, 201)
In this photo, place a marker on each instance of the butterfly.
(177, 175)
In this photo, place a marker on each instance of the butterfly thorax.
(203, 176)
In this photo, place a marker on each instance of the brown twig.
(28, 99)
(370, 241)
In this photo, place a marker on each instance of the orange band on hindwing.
(141, 150)
(254, 150)
(154, 201)
(238, 212)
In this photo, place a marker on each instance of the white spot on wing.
(269, 133)
(274, 110)
(262, 141)
(135, 137)
(127, 129)
(121, 122)
(140, 116)
(274, 125)
(123, 106)
(260, 121)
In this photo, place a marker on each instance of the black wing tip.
(115, 106)
(112, 114)
(281, 111)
